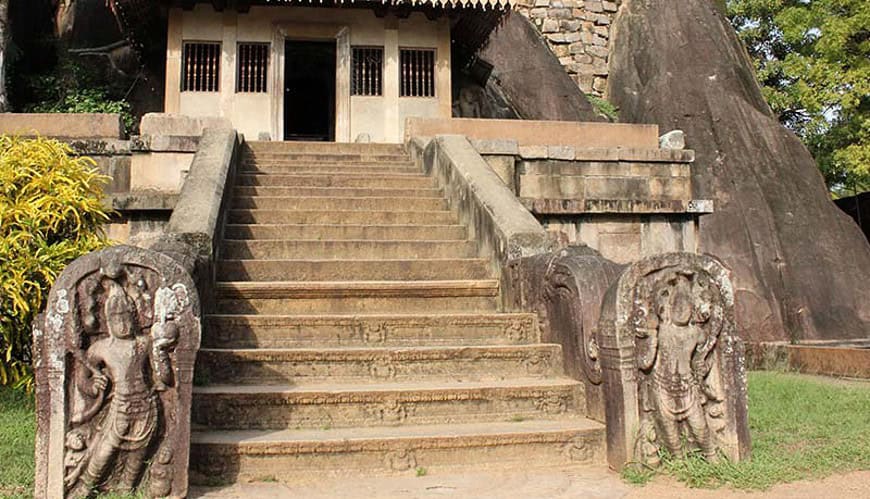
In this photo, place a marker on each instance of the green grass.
(802, 428)
(17, 431)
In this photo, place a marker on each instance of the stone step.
(354, 270)
(358, 297)
(328, 169)
(356, 180)
(299, 454)
(339, 217)
(324, 157)
(340, 204)
(390, 330)
(344, 249)
(353, 365)
(346, 232)
(384, 404)
(337, 192)
(327, 147)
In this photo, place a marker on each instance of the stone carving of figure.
(122, 374)
(678, 330)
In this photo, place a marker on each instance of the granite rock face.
(800, 265)
(530, 78)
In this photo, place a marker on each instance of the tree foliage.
(51, 213)
(813, 61)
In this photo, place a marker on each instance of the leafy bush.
(74, 88)
(604, 108)
(51, 213)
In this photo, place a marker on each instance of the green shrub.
(51, 213)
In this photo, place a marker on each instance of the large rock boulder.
(529, 77)
(801, 266)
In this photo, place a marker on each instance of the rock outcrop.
(801, 266)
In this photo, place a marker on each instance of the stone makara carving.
(114, 374)
(674, 373)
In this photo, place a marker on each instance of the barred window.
(201, 68)
(367, 74)
(252, 68)
(417, 72)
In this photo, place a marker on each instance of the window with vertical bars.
(252, 68)
(367, 73)
(201, 67)
(417, 75)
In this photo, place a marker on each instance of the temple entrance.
(309, 90)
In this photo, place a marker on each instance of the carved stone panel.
(115, 351)
(673, 370)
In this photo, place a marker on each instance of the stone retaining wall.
(578, 33)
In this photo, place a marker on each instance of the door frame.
(316, 33)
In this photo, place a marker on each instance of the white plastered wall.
(381, 118)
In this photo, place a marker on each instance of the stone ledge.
(567, 153)
(165, 143)
(69, 126)
(613, 206)
(141, 201)
(846, 358)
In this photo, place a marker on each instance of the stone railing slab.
(615, 206)
(198, 210)
(496, 215)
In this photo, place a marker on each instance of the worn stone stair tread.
(368, 353)
(417, 269)
(375, 389)
(256, 191)
(362, 181)
(335, 170)
(339, 203)
(379, 434)
(337, 289)
(359, 232)
(342, 217)
(370, 329)
(254, 249)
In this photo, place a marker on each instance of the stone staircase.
(359, 331)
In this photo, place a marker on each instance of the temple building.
(327, 71)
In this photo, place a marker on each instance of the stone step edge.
(341, 440)
(319, 393)
(271, 319)
(350, 289)
(397, 354)
(373, 175)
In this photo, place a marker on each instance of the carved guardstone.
(673, 370)
(115, 351)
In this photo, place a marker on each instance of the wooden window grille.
(201, 68)
(252, 68)
(417, 72)
(367, 74)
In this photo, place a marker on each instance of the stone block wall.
(578, 33)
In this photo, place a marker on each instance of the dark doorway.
(309, 91)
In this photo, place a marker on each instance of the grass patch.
(802, 428)
(17, 432)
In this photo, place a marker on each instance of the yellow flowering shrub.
(51, 213)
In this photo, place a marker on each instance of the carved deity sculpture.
(124, 325)
(674, 375)
(676, 340)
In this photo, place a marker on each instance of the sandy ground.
(585, 482)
